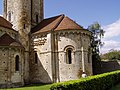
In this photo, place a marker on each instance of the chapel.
(34, 49)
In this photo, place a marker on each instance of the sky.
(85, 13)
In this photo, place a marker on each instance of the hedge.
(97, 82)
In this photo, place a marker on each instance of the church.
(34, 49)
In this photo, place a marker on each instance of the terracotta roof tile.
(68, 24)
(6, 40)
(56, 23)
(46, 24)
(5, 23)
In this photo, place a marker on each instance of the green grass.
(117, 87)
(33, 87)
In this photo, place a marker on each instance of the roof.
(68, 24)
(5, 23)
(56, 23)
(6, 40)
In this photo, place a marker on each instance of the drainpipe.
(83, 61)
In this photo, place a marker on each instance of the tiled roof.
(6, 40)
(56, 23)
(68, 24)
(5, 23)
(47, 24)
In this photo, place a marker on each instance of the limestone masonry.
(38, 50)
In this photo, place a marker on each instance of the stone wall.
(51, 50)
(41, 71)
(75, 40)
(107, 66)
(37, 11)
(8, 76)
(22, 14)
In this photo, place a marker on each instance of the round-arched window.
(17, 63)
(69, 56)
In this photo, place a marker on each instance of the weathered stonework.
(22, 14)
(8, 75)
(43, 69)
(52, 50)
(59, 70)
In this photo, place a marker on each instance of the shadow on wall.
(38, 74)
(108, 66)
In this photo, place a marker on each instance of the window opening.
(36, 18)
(9, 16)
(36, 58)
(69, 56)
(17, 63)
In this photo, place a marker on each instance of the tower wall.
(24, 14)
(37, 10)
(33, 8)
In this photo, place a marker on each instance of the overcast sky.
(86, 12)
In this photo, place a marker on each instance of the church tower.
(30, 12)
(24, 14)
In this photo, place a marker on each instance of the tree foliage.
(111, 55)
(97, 35)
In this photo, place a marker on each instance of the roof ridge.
(62, 17)
(44, 20)
(54, 16)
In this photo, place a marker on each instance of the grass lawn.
(34, 87)
(117, 87)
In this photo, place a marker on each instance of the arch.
(69, 46)
(17, 63)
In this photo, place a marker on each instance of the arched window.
(17, 63)
(36, 58)
(69, 56)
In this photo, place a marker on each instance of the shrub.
(97, 82)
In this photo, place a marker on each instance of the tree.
(96, 43)
(97, 35)
(111, 55)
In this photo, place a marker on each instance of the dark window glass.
(17, 63)
(69, 56)
(24, 26)
(36, 18)
(36, 58)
